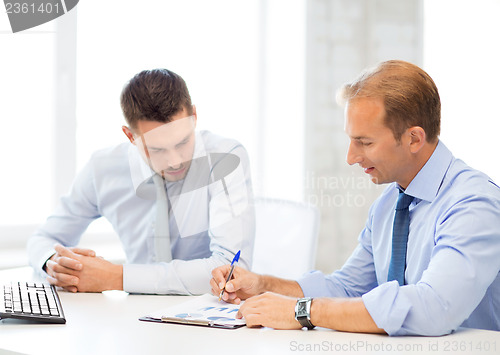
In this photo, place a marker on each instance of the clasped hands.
(260, 308)
(80, 270)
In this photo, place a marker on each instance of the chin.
(376, 180)
(174, 178)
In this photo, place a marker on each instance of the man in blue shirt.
(179, 200)
(449, 273)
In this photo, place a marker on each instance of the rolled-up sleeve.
(464, 262)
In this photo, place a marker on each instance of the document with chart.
(204, 310)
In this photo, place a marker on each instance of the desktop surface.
(107, 323)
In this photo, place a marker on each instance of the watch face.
(302, 308)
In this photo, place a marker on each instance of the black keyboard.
(36, 301)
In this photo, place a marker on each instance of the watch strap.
(305, 322)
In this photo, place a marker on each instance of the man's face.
(167, 147)
(372, 144)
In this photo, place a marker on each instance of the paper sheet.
(202, 310)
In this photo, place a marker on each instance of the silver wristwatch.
(303, 312)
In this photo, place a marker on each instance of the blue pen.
(235, 259)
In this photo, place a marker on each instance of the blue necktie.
(400, 232)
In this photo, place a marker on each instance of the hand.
(95, 275)
(243, 285)
(270, 310)
(60, 268)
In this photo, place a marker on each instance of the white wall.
(344, 37)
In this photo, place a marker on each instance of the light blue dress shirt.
(213, 222)
(453, 258)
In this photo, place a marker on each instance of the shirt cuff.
(387, 306)
(42, 260)
(141, 278)
(313, 284)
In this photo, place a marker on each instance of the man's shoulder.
(462, 179)
(114, 151)
(111, 158)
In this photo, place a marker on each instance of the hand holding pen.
(244, 284)
(235, 260)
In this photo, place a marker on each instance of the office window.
(461, 53)
(27, 102)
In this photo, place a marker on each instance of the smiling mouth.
(368, 170)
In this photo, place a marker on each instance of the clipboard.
(204, 311)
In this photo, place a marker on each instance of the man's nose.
(353, 155)
(174, 160)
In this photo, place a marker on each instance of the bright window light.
(26, 110)
(462, 54)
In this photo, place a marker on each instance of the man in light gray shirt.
(179, 200)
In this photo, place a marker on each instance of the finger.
(69, 264)
(231, 298)
(63, 280)
(63, 251)
(220, 275)
(72, 289)
(235, 285)
(250, 312)
(56, 267)
(253, 321)
(66, 279)
(83, 251)
(237, 281)
(241, 311)
(215, 287)
(51, 280)
(48, 268)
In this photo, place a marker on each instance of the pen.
(235, 259)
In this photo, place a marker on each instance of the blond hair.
(409, 94)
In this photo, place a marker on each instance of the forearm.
(116, 277)
(281, 286)
(343, 314)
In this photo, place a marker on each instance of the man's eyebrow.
(358, 138)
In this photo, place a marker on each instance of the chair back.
(286, 237)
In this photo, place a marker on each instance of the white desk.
(108, 323)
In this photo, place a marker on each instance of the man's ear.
(417, 138)
(129, 134)
(195, 115)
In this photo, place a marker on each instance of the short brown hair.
(409, 94)
(154, 95)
